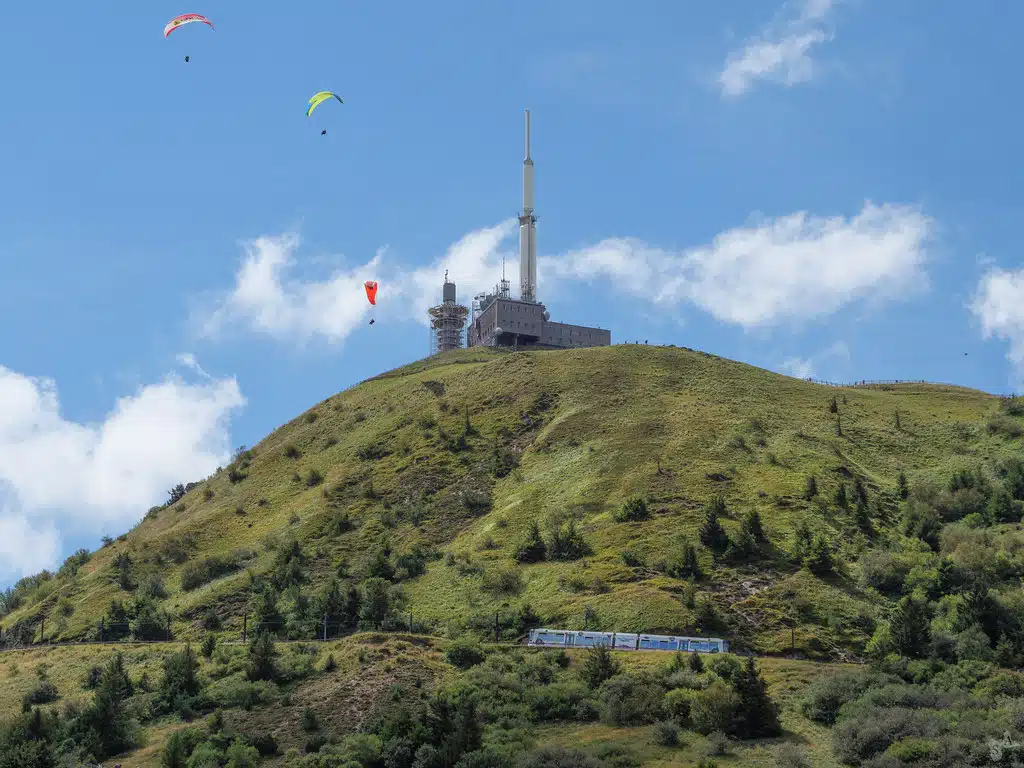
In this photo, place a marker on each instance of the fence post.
(410, 622)
(325, 627)
(792, 637)
(245, 625)
(497, 629)
(42, 629)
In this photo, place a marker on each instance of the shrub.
(209, 645)
(631, 699)
(825, 696)
(532, 549)
(666, 734)
(44, 693)
(567, 543)
(633, 559)
(291, 452)
(556, 757)
(714, 708)
(309, 722)
(464, 654)
(314, 478)
(503, 580)
(634, 510)
(199, 572)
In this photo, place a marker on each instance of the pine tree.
(819, 558)
(712, 534)
(598, 666)
(863, 516)
(532, 549)
(262, 664)
(696, 663)
(752, 525)
(901, 486)
(110, 730)
(841, 501)
(688, 566)
(332, 605)
(811, 490)
(757, 715)
(910, 627)
(1006, 654)
(353, 608)
(180, 679)
(860, 493)
(802, 541)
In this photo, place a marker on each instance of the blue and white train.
(625, 641)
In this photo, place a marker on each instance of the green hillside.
(482, 492)
(442, 467)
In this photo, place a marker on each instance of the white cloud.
(265, 300)
(90, 477)
(790, 268)
(781, 53)
(25, 549)
(798, 368)
(999, 303)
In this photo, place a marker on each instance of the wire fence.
(897, 382)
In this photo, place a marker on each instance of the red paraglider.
(371, 291)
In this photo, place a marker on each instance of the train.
(624, 641)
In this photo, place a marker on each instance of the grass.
(593, 426)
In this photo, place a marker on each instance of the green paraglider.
(319, 98)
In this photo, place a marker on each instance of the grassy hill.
(483, 491)
(552, 437)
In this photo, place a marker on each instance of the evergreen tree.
(802, 541)
(860, 493)
(696, 663)
(598, 666)
(688, 566)
(262, 661)
(712, 534)
(353, 608)
(1006, 654)
(841, 501)
(863, 516)
(332, 605)
(377, 604)
(266, 616)
(901, 486)
(752, 525)
(209, 645)
(109, 730)
(743, 547)
(180, 681)
(910, 627)
(1000, 508)
(380, 565)
(757, 716)
(811, 489)
(532, 549)
(819, 558)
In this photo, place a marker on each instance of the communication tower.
(447, 320)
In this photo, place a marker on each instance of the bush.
(714, 708)
(464, 654)
(309, 721)
(826, 695)
(666, 734)
(199, 572)
(557, 757)
(503, 581)
(630, 700)
(676, 704)
(632, 511)
(44, 693)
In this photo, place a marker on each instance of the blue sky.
(821, 188)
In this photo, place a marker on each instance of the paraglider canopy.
(319, 98)
(185, 18)
(371, 291)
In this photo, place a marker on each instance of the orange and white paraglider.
(371, 294)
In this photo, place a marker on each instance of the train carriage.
(625, 641)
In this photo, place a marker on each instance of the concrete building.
(499, 320)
